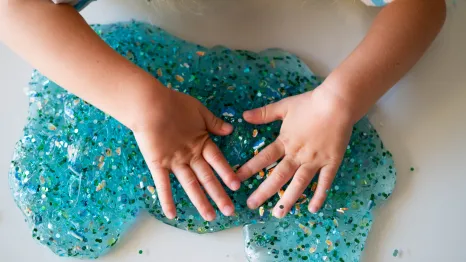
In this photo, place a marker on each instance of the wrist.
(347, 111)
(140, 102)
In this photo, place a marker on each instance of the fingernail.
(247, 114)
(252, 203)
(227, 127)
(170, 215)
(210, 216)
(313, 209)
(235, 185)
(228, 210)
(278, 213)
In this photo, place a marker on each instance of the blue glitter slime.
(80, 180)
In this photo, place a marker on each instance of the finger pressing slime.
(79, 178)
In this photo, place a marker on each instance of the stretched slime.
(79, 178)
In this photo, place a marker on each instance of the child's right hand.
(172, 129)
(173, 136)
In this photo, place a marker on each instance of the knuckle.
(300, 180)
(216, 122)
(266, 157)
(163, 188)
(156, 163)
(207, 178)
(326, 182)
(191, 182)
(196, 159)
(283, 139)
(280, 176)
(216, 156)
(334, 161)
(263, 112)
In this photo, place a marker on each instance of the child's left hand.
(314, 135)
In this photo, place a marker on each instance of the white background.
(422, 121)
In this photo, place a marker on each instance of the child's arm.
(317, 125)
(171, 128)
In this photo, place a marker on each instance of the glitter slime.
(80, 180)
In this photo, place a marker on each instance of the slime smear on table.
(80, 180)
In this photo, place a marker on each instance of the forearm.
(398, 38)
(57, 41)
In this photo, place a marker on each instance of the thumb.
(216, 125)
(266, 114)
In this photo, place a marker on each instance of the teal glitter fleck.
(80, 180)
(395, 252)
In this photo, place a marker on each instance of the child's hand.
(313, 138)
(173, 135)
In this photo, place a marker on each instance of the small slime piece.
(80, 180)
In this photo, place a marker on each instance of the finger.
(266, 114)
(217, 161)
(295, 190)
(266, 157)
(280, 175)
(164, 192)
(194, 191)
(213, 187)
(326, 176)
(214, 124)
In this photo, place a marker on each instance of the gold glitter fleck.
(302, 199)
(312, 250)
(255, 132)
(200, 53)
(42, 179)
(298, 208)
(314, 187)
(281, 192)
(342, 210)
(101, 186)
(52, 127)
(305, 229)
(261, 174)
(151, 189)
(335, 222)
(118, 151)
(159, 72)
(179, 78)
(101, 165)
(108, 152)
(256, 152)
(261, 211)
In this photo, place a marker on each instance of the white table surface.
(421, 120)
